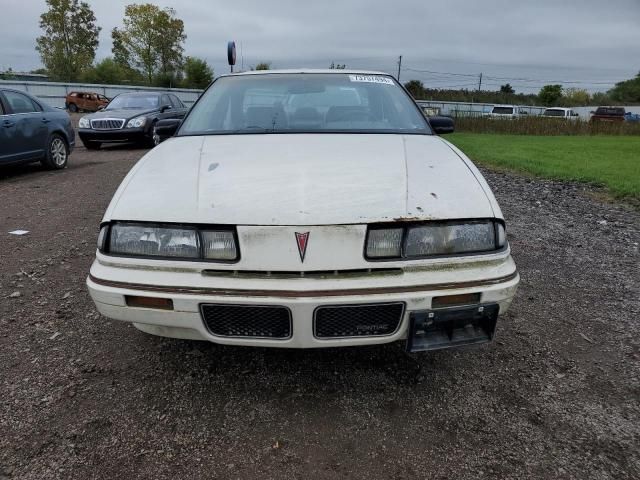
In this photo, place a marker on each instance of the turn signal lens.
(383, 243)
(149, 302)
(219, 245)
(455, 300)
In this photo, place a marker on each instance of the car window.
(176, 101)
(164, 100)
(1, 108)
(133, 101)
(503, 110)
(20, 103)
(305, 102)
(553, 112)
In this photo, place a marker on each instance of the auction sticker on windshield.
(370, 79)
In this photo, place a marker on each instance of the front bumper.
(120, 135)
(109, 283)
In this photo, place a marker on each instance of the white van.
(560, 112)
(506, 111)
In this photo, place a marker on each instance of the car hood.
(302, 179)
(125, 113)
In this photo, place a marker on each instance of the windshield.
(503, 110)
(610, 111)
(133, 101)
(304, 102)
(552, 112)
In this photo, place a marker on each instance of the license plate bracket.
(452, 327)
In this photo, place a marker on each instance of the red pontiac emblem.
(303, 240)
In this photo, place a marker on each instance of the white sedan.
(306, 209)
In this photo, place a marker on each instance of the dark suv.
(608, 114)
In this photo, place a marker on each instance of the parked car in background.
(560, 112)
(430, 111)
(130, 117)
(32, 131)
(632, 117)
(85, 101)
(506, 112)
(306, 209)
(608, 114)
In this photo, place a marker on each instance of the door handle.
(45, 120)
(7, 124)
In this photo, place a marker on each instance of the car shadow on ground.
(316, 368)
(16, 171)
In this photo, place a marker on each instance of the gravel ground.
(556, 396)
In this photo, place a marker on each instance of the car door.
(7, 134)
(27, 128)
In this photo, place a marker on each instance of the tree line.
(626, 92)
(148, 49)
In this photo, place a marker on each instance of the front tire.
(57, 153)
(73, 108)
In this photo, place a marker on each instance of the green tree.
(198, 74)
(7, 74)
(576, 97)
(507, 88)
(550, 94)
(627, 91)
(107, 72)
(262, 66)
(70, 39)
(415, 88)
(150, 41)
(601, 98)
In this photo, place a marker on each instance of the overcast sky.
(593, 43)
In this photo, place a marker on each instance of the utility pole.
(480, 83)
(399, 67)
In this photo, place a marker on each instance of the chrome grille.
(107, 123)
(371, 320)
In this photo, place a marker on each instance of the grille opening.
(370, 320)
(360, 272)
(247, 321)
(107, 124)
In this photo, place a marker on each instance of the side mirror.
(164, 108)
(442, 125)
(167, 128)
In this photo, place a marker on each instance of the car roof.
(143, 93)
(334, 71)
(3, 89)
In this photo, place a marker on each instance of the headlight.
(153, 241)
(84, 123)
(141, 240)
(136, 122)
(435, 238)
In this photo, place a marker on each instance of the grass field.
(604, 160)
